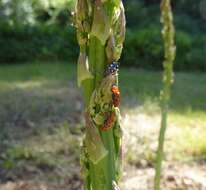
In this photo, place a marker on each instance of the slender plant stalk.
(170, 50)
(100, 33)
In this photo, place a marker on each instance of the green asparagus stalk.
(168, 33)
(100, 28)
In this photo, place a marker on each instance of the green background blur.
(33, 30)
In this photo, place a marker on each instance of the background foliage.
(41, 30)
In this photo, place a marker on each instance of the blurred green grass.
(187, 115)
(38, 100)
(36, 71)
(188, 93)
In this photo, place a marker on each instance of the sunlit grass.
(186, 134)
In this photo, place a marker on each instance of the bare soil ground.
(176, 177)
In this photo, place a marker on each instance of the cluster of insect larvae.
(112, 69)
(105, 100)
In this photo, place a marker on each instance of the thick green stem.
(168, 37)
(104, 172)
(100, 33)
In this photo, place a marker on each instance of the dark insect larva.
(109, 122)
(115, 96)
(112, 68)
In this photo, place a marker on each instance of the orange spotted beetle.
(116, 102)
(109, 122)
(115, 96)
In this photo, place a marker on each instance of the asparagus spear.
(170, 49)
(100, 28)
